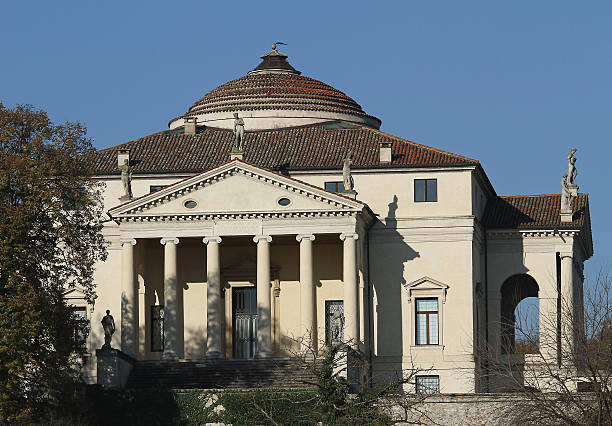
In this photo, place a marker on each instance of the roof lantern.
(274, 61)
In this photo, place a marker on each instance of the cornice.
(535, 233)
(190, 217)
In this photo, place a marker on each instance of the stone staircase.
(221, 374)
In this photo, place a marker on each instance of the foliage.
(50, 210)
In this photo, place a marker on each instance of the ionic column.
(308, 324)
(264, 347)
(351, 289)
(129, 299)
(214, 311)
(567, 305)
(170, 299)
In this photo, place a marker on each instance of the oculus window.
(157, 328)
(425, 190)
(427, 384)
(334, 186)
(427, 321)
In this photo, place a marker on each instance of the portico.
(311, 217)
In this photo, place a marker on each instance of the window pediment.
(426, 286)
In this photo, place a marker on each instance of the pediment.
(237, 188)
(426, 285)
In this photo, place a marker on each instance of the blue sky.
(512, 84)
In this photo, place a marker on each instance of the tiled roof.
(275, 91)
(534, 211)
(320, 146)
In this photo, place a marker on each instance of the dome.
(274, 95)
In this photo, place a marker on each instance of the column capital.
(207, 240)
(131, 241)
(300, 237)
(352, 235)
(566, 254)
(261, 238)
(172, 240)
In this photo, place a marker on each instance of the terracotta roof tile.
(534, 211)
(321, 146)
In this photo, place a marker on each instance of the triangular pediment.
(237, 188)
(427, 286)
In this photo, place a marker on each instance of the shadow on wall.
(389, 255)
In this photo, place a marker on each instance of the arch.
(513, 291)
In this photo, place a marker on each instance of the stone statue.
(337, 325)
(108, 324)
(571, 168)
(349, 184)
(238, 132)
(566, 195)
(126, 179)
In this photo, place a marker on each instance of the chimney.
(122, 155)
(385, 152)
(190, 125)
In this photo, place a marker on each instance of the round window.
(284, 202)
(190, 204)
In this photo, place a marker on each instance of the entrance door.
(244, 321)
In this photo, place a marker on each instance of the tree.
(50, 238)
(565, 382)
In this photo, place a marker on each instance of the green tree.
(50, 239)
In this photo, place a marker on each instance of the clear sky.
(512, 84)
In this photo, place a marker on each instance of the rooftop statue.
(571, 168)
(108, 324)
(349, 184)
(126, 179)
(238, 133)
(566, 195)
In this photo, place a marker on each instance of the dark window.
(190, 204)
(334, 186)
(425, 190)
(153, 188)
(334, 321)
(284, 202)
(157, 328)
(427, 321)
(428, 384)
(80, 326)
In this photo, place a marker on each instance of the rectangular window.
(334, 321)
(334, 186)
(425, 190)
(154, 188)
(80, 327)
(427, 321)
(157, 328)
(428, 384)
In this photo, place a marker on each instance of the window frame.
(423, 288)
(337, 186)
(76, 337)
(426, 198)
(427, 314)
(428, 376)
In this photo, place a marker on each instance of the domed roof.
(274, 95)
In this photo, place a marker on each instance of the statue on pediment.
(349, 183)
(126, 180)
(566, 195)
(571, 168)
(238, 133)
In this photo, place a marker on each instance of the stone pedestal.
(236, 154)
(114, 368)
(350, 193)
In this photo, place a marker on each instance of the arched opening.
(514, 290)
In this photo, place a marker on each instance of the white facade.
(378, 254)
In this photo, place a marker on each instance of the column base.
(215, 355)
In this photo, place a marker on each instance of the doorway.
(244, 322)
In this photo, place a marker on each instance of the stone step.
(221, 374)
